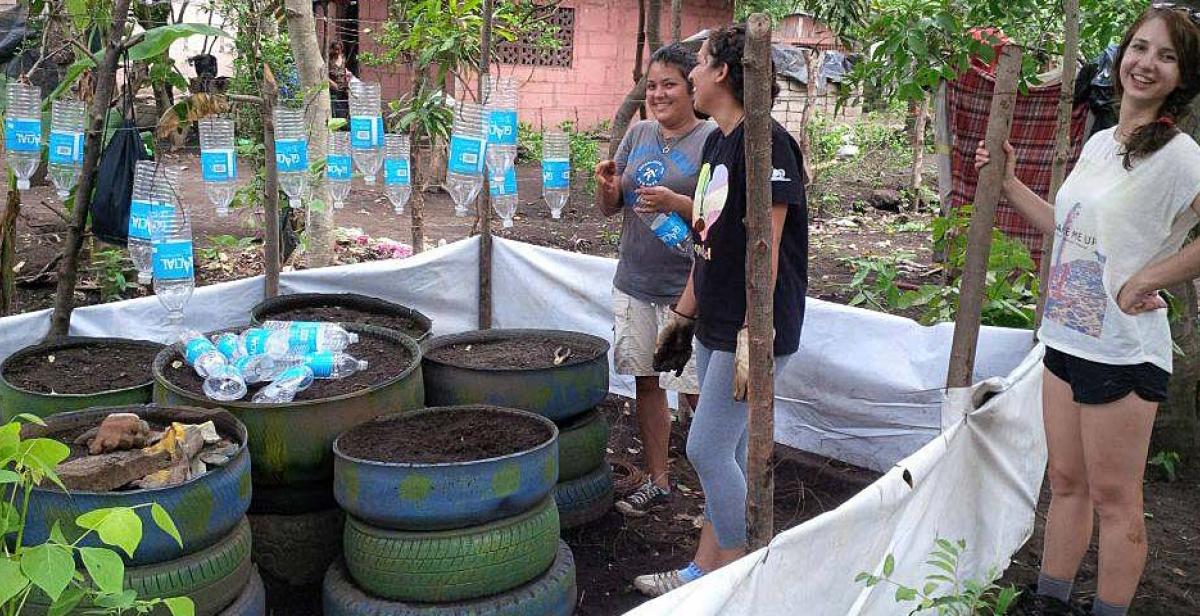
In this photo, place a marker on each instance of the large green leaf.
(49, 567)
(163, 520)
(10, 518)
(180, 606)
(106, 568)
(118, 526)
(45, 453)
(12, 581)
(10, 438)
(157, 40)
(67, 602)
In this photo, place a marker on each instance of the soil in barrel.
(449, 436)
(344, 314)
(523, 353)
(385, 361)
(87, 369)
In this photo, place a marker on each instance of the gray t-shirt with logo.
(647, 269)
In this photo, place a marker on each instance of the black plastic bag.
(114, 184)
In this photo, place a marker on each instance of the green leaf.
(904, 593)
(941, 565)
(889, 565)
(46, 452)
(335, 124)
(117, 601)
(929, 588)
(163, 520)
(56, 534)
(7, 476)
(158, 40)
(10, 439)
(118, 526)
(10, 518)
(67, 602)
(180, 606)
(49, 567)
(12, 581)
(106, 568)
(31, 418)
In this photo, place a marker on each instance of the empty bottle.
(153, 190)
(331, 365)
(23, 131)
(397, 181)
(200, 353)
(504, 196)
(291, 154)
(285, 386)
(670, 229)
(502, 126)
(305, 337)
(464, 174)
(338, 168)
(218, 162)
(225, 384)
(366, 128)
(556, 170)
(174, 274)
(65, 155)
(263, 367)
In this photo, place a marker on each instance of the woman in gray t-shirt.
(657, 164)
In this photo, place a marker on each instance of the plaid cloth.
(968, 103)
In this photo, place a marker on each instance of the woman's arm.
(686, 305)
(1035, 209)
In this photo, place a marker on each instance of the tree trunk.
(635, 100)
(653, 25)
(812, 62)
(68, 271)
(302, 36)
(416, 206)
(676, 20)
(8, 248)
(640, 56)
(483, 202)
(918, 152)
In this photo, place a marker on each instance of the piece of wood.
(983, 215)
(676, 20)
(8, 249)
(109, 471)
(483, 203)
(760, 294)
(812, 64)
(633, 101)
(271, 244)
(918, 152)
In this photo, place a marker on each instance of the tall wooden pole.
(979, 235)
(271, 260)
(484, 202)
(1062, 137)
(760, 308)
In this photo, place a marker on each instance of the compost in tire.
(453, 435)
(532, 352)
(85, 369)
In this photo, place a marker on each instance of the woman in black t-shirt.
(713, 304)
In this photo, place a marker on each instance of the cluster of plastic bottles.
(287, 355)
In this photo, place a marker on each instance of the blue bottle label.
(140, 213)
(241, 362)
(502, 127)
(227, 344)
(556, 174)
(291, 155)
(508, 187)
(366, 132)
(466, 155)
(672, 231)
(338, 168)
(293, 373)
(173, 260)
(256, 340)
(66, 148)
(302, 337)
(23, 135)
(395, 171)
(218, 165)
(320, 363)
(195, 348)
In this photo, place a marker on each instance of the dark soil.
(524, 353)
(87, 369)
(448, 436)
(343, 314)
(385, 360)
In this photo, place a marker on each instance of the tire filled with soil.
(557, 374)
(446, 467)
(345, 308)
(75, 373)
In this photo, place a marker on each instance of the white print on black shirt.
(779, 175)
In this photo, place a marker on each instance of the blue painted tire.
(586, 499)
(443, 496)
(204, 509)
(551, 594)
(253, 599)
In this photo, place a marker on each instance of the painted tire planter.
(291, 443)
(582, 445)
(204, 509)
(557, 392)
(297, 549)
(452, 565)
(553, 593)
(389, 314)
(446, 495)
(253, 599)
(586, 499)
(15, 400)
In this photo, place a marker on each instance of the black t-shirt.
(719, 231)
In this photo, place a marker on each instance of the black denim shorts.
(1096, 383)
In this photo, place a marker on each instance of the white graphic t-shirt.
(1110, 223)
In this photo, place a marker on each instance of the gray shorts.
(635, 332)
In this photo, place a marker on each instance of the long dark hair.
(726, 46)
(1185, 38)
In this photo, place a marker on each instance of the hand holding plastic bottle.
(662, 199)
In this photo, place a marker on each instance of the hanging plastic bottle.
(199, 352)
(65, 156)
(154, 188)
(502, 126)
(285, 386)
(218, 162)
(397, 181)
(338, 168)
(464, 174)
(23, 131)
(291, 154)
(224, 384)
(174, 274)
(556, 170)
(504, 197)
(366, 128)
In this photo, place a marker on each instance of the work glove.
(741, 364)
(674, 346)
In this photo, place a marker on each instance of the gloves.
(741, 365)
(674, 346)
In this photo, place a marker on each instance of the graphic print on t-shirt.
(1076, 297)
(711, 193)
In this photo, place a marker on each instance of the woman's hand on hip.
(1137, 297)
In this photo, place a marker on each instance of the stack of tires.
(213, 566)
(567, 393)
(450, 538)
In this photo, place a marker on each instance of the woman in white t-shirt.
(1119, 221)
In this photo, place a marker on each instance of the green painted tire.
(586, 499)
(582, 444)
(452, 565)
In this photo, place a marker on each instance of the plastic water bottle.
(502, 126)
(218, 162)
(291, 154)
(305, 337)
(261, 341)
(263, 367)
(397, 181)
(228, 344)
(153, 189)
(556, 170)
(338, 168)
(331, 365)
(464, 173)
(285, 386)
(23, 131)
(224, 384)
(670, 229)
(504, 196)
(174, 274)
(200, 353)
(366, 128)
(65, 156)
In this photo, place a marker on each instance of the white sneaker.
(656, 584)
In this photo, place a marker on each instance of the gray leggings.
(716, 445)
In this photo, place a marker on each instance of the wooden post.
(1062, 138)
(64, 295)
(676, 20)
(979, 235)
(8, 240)
(483, 204)
(760, 309)
(271, 260)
